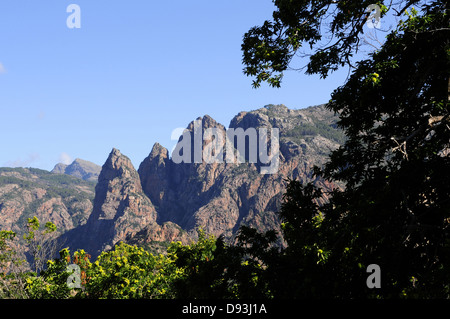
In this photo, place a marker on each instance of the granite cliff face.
(153, 172)
(26, 192)
(118, 193)
(120, 209)
(220, 197)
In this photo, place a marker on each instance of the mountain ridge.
(80, 168)
(220, 197)
(164, 200)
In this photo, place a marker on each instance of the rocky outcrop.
(155, 237)
(220, 197)
(121, 209)
(153, 172)
(118, 193)
(186, 186)
(59, 168)
(26, 192)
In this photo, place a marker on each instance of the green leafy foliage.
(131, 272)
(40, 242)
(15, 270)
(11, 276)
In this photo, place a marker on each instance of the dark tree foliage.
(331, 30)
(395, 164)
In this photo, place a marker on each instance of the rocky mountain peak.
(121, 209)
(208, 121)
(115, 153)
(159, 151)
(246, 120)
(204, 123)
(118, 166)
(59, 168)
(116, 162)
(118, 181)
(219, 197)
(154, 173)
(80, 168)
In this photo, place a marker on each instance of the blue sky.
(132, 73)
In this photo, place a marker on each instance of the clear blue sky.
(132, 73)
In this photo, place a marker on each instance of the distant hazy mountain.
(85, 170)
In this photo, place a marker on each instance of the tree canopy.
(327, 32)
(395, 208)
